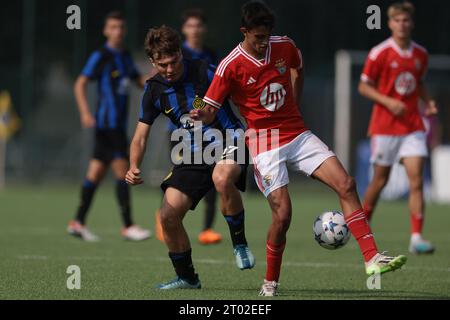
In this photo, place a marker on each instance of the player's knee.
(168, 217)
(416, 183)
(380, 181)
(347, 187)
(222, 182)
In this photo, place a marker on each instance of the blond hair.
(401, 7)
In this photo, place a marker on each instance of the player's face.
(194, 29)
(257, 38)
(115, 31)
(401, 26)
(170, 67)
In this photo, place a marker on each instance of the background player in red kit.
(261, 75)
(393, 78)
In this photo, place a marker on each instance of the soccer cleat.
(269, 288)
(209, 236)
(179, 283)
(244, 257)
(78, 230)
(382, 263)
(421, 247)
(135, 233)
(158, 227)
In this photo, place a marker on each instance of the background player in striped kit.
(113, 68)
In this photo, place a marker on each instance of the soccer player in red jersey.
(393, 78)
(262, 75)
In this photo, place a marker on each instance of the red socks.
(416, 223)
(369, 211)
(359, 227)
(274, 256)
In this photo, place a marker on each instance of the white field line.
(291, 264)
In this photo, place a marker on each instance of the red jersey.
(262, 89)
(396, 73)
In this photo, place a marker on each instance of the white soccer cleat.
(244, 257)
(78, 230)
(135, 233)
(269, 288)
(421, 247)
(381, 263)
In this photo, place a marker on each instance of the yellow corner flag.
(9, 121)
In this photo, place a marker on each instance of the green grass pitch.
(35, 251)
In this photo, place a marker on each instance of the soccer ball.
(330, 230)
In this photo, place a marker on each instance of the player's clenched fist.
(133, 177)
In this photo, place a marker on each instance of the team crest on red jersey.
(280, 64)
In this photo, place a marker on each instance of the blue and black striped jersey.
(113, 69)
(176, 100)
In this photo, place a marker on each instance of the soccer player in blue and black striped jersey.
(194, 28)
(113, 68)
(174, 92)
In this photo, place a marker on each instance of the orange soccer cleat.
(209, 236)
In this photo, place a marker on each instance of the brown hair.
(255, 14)
(193, 13)
(162, 41)
(401, 7)
(116, 15)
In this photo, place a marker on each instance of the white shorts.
(303, 154)
(387, 150)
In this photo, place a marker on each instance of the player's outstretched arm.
(205, 115)
(80, 91)
(137, 151)
(369, 91)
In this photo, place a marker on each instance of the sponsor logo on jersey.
(186, 122)
(167, 111)
(272, 97)
(405, 83)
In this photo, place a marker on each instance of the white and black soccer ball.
(330, 230)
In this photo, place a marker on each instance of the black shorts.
(195, 180)
(110, 145)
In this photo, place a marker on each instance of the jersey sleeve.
(295, 56)
(219, 89)
(150, 109)
(93, 66)
(372, 68)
